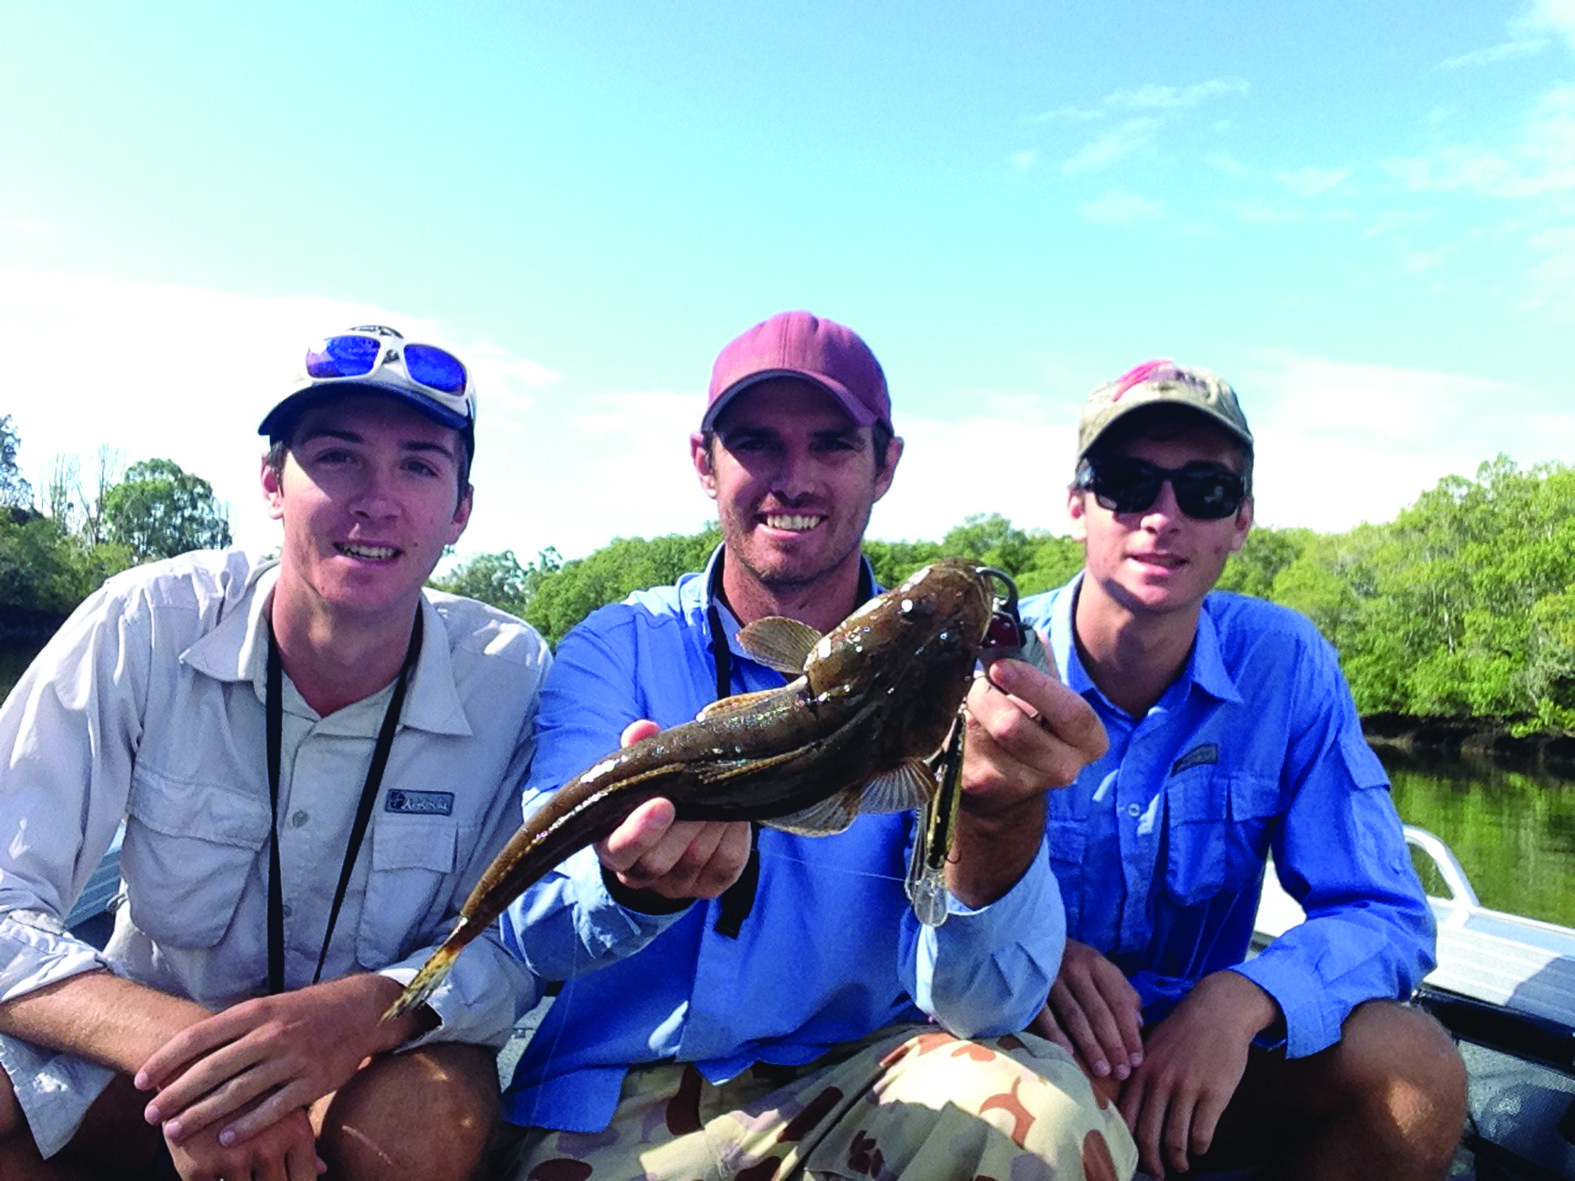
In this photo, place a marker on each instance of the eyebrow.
(415, 446)
(829, 434)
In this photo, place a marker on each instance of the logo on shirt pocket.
(1199, 756)
(420, 803)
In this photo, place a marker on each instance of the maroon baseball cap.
(797, 344)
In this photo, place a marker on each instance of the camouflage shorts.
(909, 1101)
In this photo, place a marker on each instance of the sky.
(1363, 216)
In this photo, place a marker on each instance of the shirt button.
(287, 910)
(1134, 811)
(298, 818)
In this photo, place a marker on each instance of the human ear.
(1077, 512)
(701, 456)
(273, 489)
(888, 468)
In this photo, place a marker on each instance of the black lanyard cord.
(363, 814)
(739, 898)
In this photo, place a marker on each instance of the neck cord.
(739, 898)
(374, 778)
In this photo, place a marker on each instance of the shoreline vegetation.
(1454, 622)
(1495, 744)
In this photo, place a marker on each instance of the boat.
(1505, 988)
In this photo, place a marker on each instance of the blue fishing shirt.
(829, 952)
(1160, 846)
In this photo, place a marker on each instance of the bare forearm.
(101, 1017)
(993, 849)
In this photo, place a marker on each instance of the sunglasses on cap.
(1204, 491)
(440, 375)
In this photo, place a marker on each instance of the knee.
(1404, 1059)
(423, 1113)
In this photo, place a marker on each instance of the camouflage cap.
(1156, 383)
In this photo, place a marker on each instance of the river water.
(1513, 831)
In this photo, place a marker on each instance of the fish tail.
(432, 974)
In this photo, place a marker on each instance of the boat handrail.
(1462, 900)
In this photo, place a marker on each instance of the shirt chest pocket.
(1218, 826)
(409, 889)
(188, 852)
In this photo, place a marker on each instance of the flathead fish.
(872, 700)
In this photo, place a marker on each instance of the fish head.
(912, 648)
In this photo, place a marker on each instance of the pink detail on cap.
(1140, 374)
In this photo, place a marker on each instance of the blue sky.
(1362, 215)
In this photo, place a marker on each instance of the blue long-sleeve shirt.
(829, 952)
(1160, 846)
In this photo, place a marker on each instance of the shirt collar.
(707, 598)
(237, 650)
(1205, 668)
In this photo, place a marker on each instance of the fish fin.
(909, 785)
(734, 704)
(780, 643)
(830, 815)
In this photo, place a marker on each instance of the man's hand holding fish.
(1026, 732)
(654, 854)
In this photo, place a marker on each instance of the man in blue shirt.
(763, 1002)
(1232, 734)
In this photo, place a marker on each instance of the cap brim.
(855, 409)
(280, 421)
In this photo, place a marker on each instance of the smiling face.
(794, 479)
(1157, 563)
(367, 496)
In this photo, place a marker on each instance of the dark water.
(1513, 831)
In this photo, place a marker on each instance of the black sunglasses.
(1204, 491)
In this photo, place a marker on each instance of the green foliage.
(499, 579)
(160, 510)
(15, 492)
(568, 594)
(43, 568)
(1462, 607)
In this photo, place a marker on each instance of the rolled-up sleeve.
(1341, 853)
(68, 733)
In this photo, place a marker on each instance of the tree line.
(1462, 607)
(58, 546)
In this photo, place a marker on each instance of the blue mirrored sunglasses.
(353, 355)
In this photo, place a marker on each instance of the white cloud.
(1340, 442)
(1417, 261)
(1134, 135)
(1153, 97)
(1024, 160)
(1119, 207)
(1229, 165)
(1549, 16)
(1260, 212)
(159, 371)
(1311, 182)
(1523, 47)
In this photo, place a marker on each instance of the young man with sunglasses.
(315, 759)
(756, 1004)
(1232, 735)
